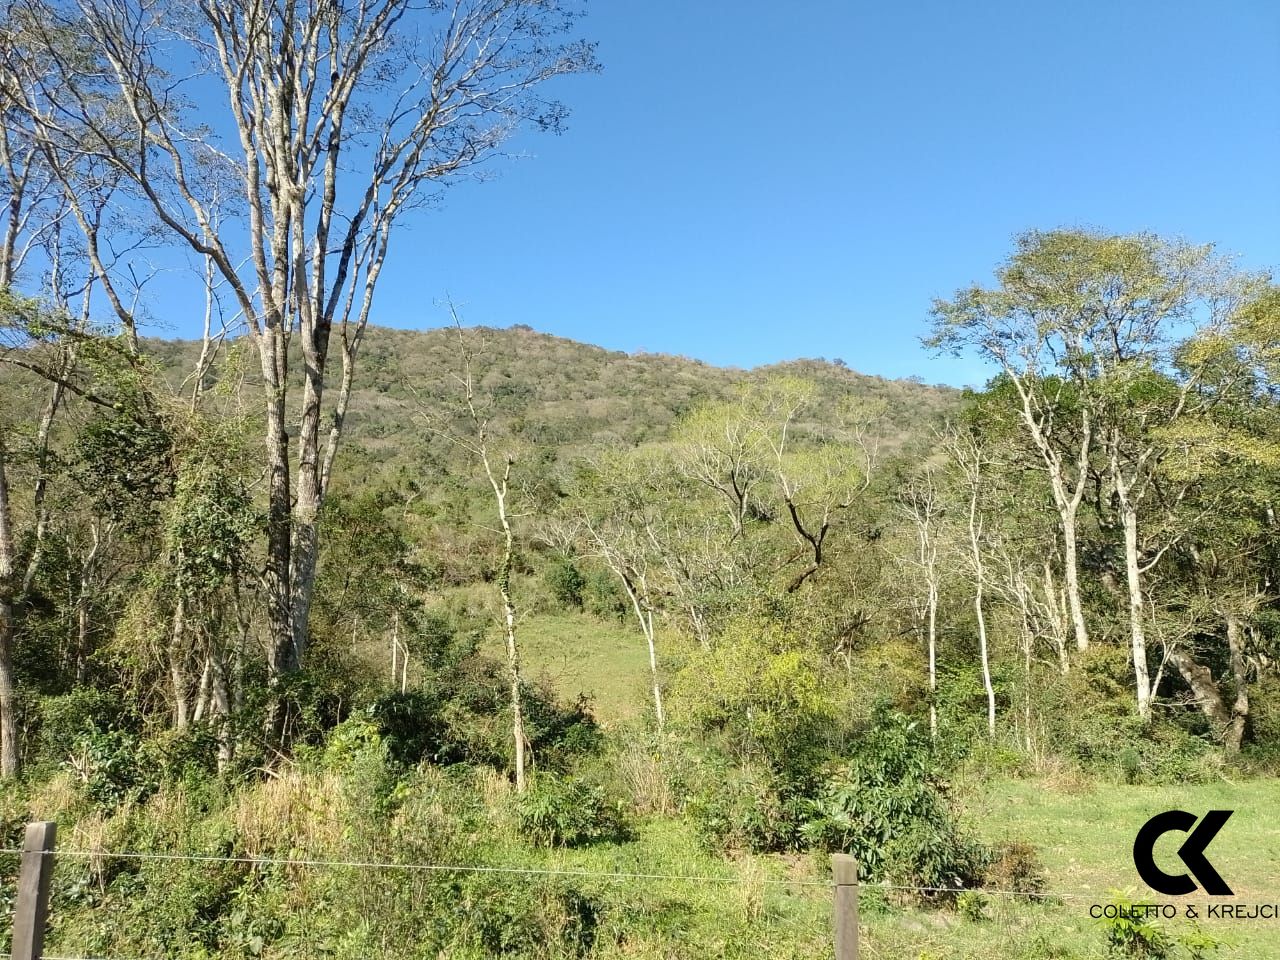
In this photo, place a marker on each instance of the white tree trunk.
(1071, 573)
(986, 660)
(8, 691)
(1240, 676)
(933, 657)
(1137, 630)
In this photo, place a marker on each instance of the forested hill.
(566, 395)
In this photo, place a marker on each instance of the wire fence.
(801, 927)
(1083, 895)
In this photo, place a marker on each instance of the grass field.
(1084, 837)
(581, 654)
(1083, 830)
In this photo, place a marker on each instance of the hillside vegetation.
(561, 395)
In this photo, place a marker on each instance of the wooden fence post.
(32, 909)
(845, 871)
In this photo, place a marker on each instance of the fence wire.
(778, 923)
(580, 874)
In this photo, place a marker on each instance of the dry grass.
(643, 774)
(293, 812)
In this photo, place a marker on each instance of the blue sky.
(749, 181)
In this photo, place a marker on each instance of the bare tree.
(622, 525)
(969, 455)
(921, 504)
(1025, 349)
(476, 438)
(819, 481)
(342, 116)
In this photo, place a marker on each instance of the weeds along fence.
(39, 855)
(827, 931)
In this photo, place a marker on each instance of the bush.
(566, 583)
(888, 808)
(1130, 934)
(765, 694)
(66, 718)
(190, 754)
(112, 768)
(411, 726)
(602, 596)
(1089, 718)
(932, 859)
(569, 812)
(1262, 750)
(463, 715)
(749, 809)
(498, 919)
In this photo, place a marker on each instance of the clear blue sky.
(753, 181)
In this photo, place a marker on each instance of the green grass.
(1085, 839)
(581, 654)
(1083, 831)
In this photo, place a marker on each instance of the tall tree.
(920, 503)
(1081, 324)
(973, 463)
(335, 119)
(470, 428)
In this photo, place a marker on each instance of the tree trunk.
(220, 696)
(177, 664)
(1071, 571)
(1137, 630)
(1067, 501)
(8, 695)
(1056, 603)
(1240, 677)
(1207, 691)
(659, 713)
(986, 660)
(933, 658)
(83, 625)
(203, 692)
(973, 469)
(282, 658)
(9, 763)
(513, 661)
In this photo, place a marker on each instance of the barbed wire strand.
(415, 867)
(553, 872)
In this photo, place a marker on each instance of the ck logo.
(1191, 853)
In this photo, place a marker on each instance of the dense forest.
(306, 594)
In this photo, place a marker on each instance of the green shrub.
(766, 696)
(484, 917)
(749, 809)
(411, 726)
(462, 714)
(888, 808)
(1262, 749)
(972, 906)
(569, 812)
(190, 754)
(112, 767)
(932, 859)
(67, 717)
(1089, 718)
(602, 596)
(475, 698)
(1129, 933)
(566, 583)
